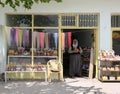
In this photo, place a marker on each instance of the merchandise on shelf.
(27, 67)
(108, 55)
(109, 66)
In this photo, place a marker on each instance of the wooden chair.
(54, 66)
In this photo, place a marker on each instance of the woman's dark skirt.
(75, 65)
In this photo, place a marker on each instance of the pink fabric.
(17, 33)
(35, 37)
(38, 40)
(27, 38)
(63, 41)
(42, 38)
(69, 39)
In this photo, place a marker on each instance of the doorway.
(86, 39)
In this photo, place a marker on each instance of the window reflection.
(46, 20)
(116, 42)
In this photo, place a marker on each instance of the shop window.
(116, 42)
(88, 20)
(68, 20)
(19, 20)
(115, 21)
(46, 20)
(79, 20)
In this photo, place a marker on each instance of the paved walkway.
(69, 86)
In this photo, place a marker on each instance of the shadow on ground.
(41, 87)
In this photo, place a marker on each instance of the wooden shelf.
(107, 72)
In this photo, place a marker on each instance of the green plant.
(26, 3)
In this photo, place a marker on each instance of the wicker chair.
(54, 66)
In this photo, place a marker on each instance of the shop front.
(34, 39)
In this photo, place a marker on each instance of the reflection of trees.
(19, 20)
(116, 42)
(43, 20)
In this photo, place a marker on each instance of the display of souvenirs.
(11, 68)
(104, 68)
(117, 68)
(15, 67)
(112, 69)
(108, 55)
(41, 68)
(22, 51)
(118, 78)
(104, 78)
(108, 68)
(11, 52)
(111, 78)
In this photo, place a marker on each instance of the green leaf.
(2, 4)
(58, 1)
(7, 1)
(13, 6)
(26, 3)
(17, 2)
(36, 1)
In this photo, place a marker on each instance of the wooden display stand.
(91, 64)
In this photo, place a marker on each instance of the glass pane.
(87, 20)
(46, 20)
(115, 21)
(116, 42)
(19, 20)
(68, 20)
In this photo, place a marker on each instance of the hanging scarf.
(35, 39)
(56, 39)
(17, 35)
(20, 37)
(38, 40)
(69, 39)
(63, 41)
(8, 36)
(30, 39)
(49, 35)
(24, 38)
(27, 38)
(66, 40)
(52, 42)
(42, 36)
(46, 41)
(13, 37)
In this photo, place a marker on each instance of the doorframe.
(95, 46)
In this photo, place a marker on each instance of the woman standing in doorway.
(75, 61)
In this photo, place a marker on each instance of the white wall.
(104, 7)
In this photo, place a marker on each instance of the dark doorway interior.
(85, 38)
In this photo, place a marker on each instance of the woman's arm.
(75, 51)
(81, 51)
(70, 50)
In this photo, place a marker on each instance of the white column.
(105, 30)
